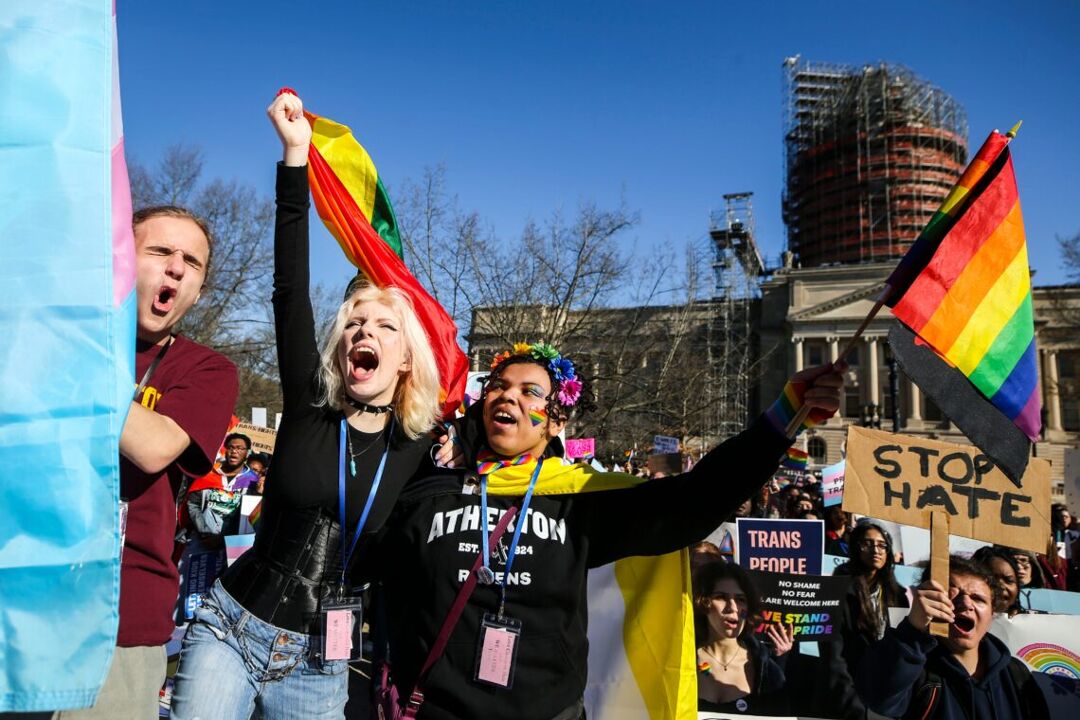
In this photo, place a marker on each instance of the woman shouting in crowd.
(357, 413)
(514, 538)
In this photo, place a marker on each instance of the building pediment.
(852, 304)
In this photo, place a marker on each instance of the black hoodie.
(892, 669)
(433, 538)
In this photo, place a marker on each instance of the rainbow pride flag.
(964, 293)
(353, 204)
(795, 459)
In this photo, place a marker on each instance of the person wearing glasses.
(864, 615)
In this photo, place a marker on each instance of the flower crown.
(569, 387)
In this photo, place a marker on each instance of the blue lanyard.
(342, 444)
(518, 524)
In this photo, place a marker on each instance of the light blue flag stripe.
(66, 355)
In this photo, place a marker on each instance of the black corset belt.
(295, 561)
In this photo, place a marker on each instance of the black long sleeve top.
(433, 537)
(298, 528)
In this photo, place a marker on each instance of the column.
(798, 353)
(873, 395)
(1053, 397)
(834, 349)
(914, 402)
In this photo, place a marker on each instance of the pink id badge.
(496, 650)
(340, 626)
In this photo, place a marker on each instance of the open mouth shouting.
(363, 362)
(164, 299)
(962, 627)
(503, 418)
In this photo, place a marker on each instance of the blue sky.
(542, 105)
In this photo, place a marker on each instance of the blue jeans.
(232, 662)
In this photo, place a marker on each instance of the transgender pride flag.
(67, 319)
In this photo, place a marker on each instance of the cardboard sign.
(811, 603)
(1072, 477)
(903, 479)
(786, 546)
(262, 439)
(832, 484)
(577, 448)
(665, 445)
(667, 464)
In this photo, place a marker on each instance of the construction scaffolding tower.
(870, 154)
(738, 267)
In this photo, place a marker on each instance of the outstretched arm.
(663, 515)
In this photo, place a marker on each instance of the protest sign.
(237, 545)
(903, 478)
(723, 537)
(262, 438)
(832, 484)
(789, 546)
(1062, 602)
(810, 603)
(665, 445)
(578, 448)
(1072, 477)
(916, 544)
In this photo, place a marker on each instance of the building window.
(815, 354)
(817, 448)
(852, 401)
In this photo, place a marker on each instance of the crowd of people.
(474, 542)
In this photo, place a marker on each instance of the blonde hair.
(416, 397)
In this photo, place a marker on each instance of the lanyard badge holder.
(341, 616)
(497, 645)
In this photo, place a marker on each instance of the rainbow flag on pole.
(67, 318)
(963, 294)
(355, 208)
(795, 459)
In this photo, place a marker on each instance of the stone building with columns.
(808, 316)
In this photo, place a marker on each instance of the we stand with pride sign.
(786, 546)
(811, 605)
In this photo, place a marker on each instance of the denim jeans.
(232, 662)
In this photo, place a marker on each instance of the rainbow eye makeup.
(537, 416)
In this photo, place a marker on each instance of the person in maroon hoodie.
(179, 414)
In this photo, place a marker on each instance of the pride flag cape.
(963, 294)
(641, 623)
(67, 319)
(354, 206)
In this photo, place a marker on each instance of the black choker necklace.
(365, 408)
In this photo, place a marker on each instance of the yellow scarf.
(658, 618)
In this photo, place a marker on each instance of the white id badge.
(496, 650)
(340, 629)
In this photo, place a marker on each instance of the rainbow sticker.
(537, 417)
(1051, 659)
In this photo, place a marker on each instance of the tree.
(232, 315)
(560, 281)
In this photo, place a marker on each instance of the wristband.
(788, 405)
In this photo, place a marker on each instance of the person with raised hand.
(277, 630)
(484, 571)
(967, 675)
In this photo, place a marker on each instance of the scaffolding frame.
(738, 267)
(869, 155)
